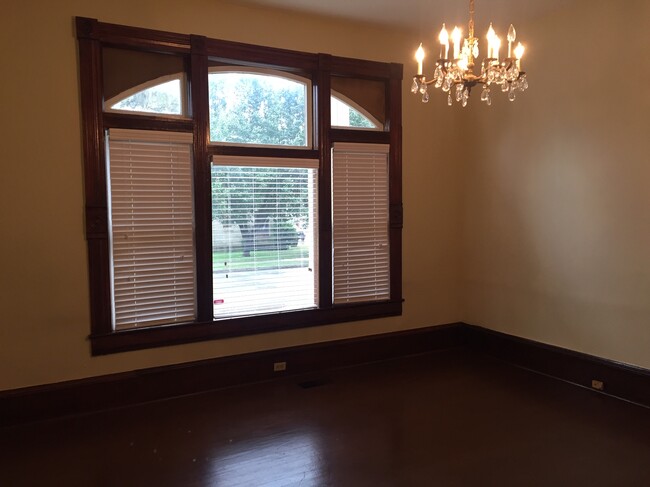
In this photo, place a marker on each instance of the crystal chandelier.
(456, 76)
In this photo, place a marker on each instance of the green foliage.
(151, 101)
(266, 203)
(282, 234)
(358, 120)
(224, 262)
(257, 109)
(243, 194)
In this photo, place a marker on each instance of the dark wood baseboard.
(129, 388)
(139, 386)
(620, 380)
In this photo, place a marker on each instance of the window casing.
(200, 56)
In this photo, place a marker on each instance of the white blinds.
(264, 234)
(360, 222)
(152, 231)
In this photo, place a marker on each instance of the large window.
(235, 189)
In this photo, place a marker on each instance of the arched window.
(161, 95)
(348, 114)
(258, 107)
(253, 107)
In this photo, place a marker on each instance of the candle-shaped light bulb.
(497, 46)
(519, 53)
(444, 42)
(419, 57)
(455, 37)
(490, 38)
(512, 35)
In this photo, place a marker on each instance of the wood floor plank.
(443, 419)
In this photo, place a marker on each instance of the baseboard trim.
(620, 380)
(135, 387)
(94, 394)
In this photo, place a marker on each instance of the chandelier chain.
(471, 19)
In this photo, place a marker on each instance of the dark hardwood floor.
(450, 418)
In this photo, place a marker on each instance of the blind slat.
(152, 221)
(361, 267)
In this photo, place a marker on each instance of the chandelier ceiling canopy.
(455, 75)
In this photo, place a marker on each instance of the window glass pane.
(143, 82)
(344, 115)
(251, 108)
(368, 96)
(263, 239)
(162, 98)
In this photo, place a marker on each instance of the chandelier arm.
(428, 82)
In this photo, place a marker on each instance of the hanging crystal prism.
(485, 94)
(459, 92)
(524, 83)
(437, 73)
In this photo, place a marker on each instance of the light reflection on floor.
(287, 459)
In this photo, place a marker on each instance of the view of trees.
(358, 120)
(249, 108)
(269, 204)
(163, 98)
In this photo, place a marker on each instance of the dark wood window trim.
(198, 53)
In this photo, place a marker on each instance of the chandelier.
(456, 76)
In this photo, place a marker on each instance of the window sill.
(151, 337)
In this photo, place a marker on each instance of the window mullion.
(322, 92)
(202, 186)
(396, 215)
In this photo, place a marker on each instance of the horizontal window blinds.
(151, 211)
(360, 222)
(264, 234)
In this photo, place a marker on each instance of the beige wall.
(556, 220)
(535, 224)
(44, 318)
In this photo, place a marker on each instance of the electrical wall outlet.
(598, 385)
(279, 366)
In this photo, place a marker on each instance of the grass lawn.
(225, 261)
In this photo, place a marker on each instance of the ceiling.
(419, 14)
